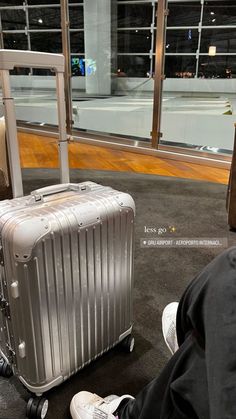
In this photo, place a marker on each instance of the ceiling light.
(40, 20)
(212, 13)
(213, 20)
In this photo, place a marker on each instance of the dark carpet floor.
(195, 209)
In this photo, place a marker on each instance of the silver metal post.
(162, 13)
(65, 28)
(152, 35)
(63, 143)
(12, 139)
(199, 39)
(27, 30)
(27, 26)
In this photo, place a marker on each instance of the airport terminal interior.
(150, 95)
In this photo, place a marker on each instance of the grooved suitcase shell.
(72, 260)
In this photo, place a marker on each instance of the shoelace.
(97, 413)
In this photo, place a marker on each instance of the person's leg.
(199, 382)
(158, 400)
(209, 298)
(208, 310)
(206, 324)
(168, 398)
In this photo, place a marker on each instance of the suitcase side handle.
(38, 194)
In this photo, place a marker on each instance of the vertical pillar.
(97, 38)
(162, 13)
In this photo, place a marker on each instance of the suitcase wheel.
(5, 369)
(128, 344)
(37, 408)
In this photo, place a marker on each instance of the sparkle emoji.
(172, 229)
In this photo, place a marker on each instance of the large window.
(135, 35)
(192, 27)
(113, 62)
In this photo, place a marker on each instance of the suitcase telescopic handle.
(38, 194)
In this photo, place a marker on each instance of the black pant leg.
(208, 307)
(200, 379)
(169, 395)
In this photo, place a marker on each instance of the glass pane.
(13, 19)
(223, 39)
(112, 93)
(35, 97)
(199, 113)
(134, 41)
(184, 14)
(133, 66)
(194, 115)
(180, 67)
(45, 18)
(217, 67)
(76, 17)
(182, 40)
(46, 42)
(194, 119)
(137, 15)
(219, 13)
(77, 42)
(15, 41)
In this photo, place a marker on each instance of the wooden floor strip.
(38, 151)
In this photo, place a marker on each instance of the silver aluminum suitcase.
(66, 273)
(66, 279)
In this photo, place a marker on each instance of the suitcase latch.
(4, 307)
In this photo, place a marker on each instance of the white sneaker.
(169, 326)
(85, 405)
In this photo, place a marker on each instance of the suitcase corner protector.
(41, 388)
(126, 333)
